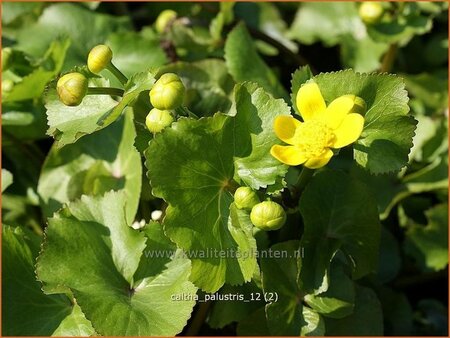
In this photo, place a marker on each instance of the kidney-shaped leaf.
(91, 249)
(92, 166)
(339, 213)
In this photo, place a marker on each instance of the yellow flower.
(324, 128)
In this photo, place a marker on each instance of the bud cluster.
(267, 215)
(166, 94)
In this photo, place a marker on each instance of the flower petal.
(338, 110)
(310, 101)
(319, 162)
(285, 127)
(349, 130)
(289, 155)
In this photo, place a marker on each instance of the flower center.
(314, 138)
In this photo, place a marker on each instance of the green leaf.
(388, 129)
(428, 244)
(27, 310)
(68, 124)
(431, 177)
(328, 207)
(366, 320)
(94, 165)
(25, 120)
(227, 312)
(389, 190)
(32, 86)
(11, 11)
(99, 266)
(338, 301)
(430, 140)
(193, 180)
(196, 180)
(133, 53)
(362, 53)
(208, 85)
(254, 324)
(315, 325)
(69, 20)
(75, 325)
(224, 17)
(7, 179)
(158, 252)
(284, 316)
(326, 22)
(437, 145)
(401, 29)
(255, 113)
(192, 42)
(430, 88)
(273, 24)
(244, 63)
(397, 312)
(390, 260)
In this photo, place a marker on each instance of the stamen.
(314, 138)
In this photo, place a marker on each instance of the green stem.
(185, 112)
(389, 58)
(36, 227)
(303, 179)
(105, 91)
(117, 73)
(199, 319)
(298, 59)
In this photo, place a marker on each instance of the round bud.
(99, 58)
(371, 12)
(163, 19)
(157, 120)
(245, 198)
(6, 58)
(268, 215)
(7, 85)
(72, 88)
(168, 92)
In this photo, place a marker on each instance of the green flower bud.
(268, 215)
(157, 120)
(163, 19)
(167, 92)
(371, 12)
(72, 88)
(245, 198)
(99, 58)
(7, 85)
(6, 58)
